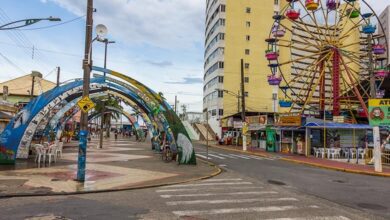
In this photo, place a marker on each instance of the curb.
(307, 163)
(215, 173)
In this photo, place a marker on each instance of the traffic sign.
(86, 104)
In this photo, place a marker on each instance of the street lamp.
(26, 22)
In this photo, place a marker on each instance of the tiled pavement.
(120, 164)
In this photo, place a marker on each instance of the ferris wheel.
(327, 56)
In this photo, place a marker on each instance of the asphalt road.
(367, 193)
(250, 187)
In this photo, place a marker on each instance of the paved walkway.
(121, 164)
(351, 167)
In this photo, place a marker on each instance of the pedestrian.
(116, 134)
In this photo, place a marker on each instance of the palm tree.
(101, 105)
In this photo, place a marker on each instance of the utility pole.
(32, 87)
(243, 106)
(87, 63)
(58, 76)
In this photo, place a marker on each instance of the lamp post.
(25, 22)
(106, 42)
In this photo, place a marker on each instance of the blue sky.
(159, 42)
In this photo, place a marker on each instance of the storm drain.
(275, 182)
(371, 206)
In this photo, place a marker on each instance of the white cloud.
(160, 23)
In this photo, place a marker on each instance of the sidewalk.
(311, 161)
(120, 165)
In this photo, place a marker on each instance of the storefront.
(256, 127)
(290, 135)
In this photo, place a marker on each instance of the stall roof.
(337, 125)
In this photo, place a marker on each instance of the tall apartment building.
(235, 30)
(384, 18)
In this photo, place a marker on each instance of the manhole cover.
(275, 182)
(371, 206)
(338, 181)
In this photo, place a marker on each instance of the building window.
(214, 112)
(220, 111)
(220, 93)
(248, 10)
(247, 51)
(246, 65)
(248, 24)
(276, 2)
(246, 79)
(223, 8)
(248, 37)
(246, 94)
(221, 65)
(220, 79)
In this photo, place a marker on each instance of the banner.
(379, 112)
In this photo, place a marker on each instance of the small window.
(248, 24)
(223, 8)
(221, 65)
(220, 111)
(246, 79)
(220, 79)
(247, 51)
(246, 94)
(276, 2)
(248, 10)
(248, 37)
(246, 65)
(220, 93)
(214, 112)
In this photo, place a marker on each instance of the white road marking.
(228, 156)
(255, 157)
(208, 184)
(234, 210)
(228, 201)
(210, 188)
(213, 155)
(314, 218)
(204, 157)
(241, 156)
(222, 180)
(215, 194)
(222, 165)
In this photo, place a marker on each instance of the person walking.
(116, 134)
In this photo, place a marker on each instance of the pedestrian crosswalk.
(236, 198)
(223, 156)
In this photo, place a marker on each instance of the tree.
(104, 103)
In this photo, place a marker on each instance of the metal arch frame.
(22, 127)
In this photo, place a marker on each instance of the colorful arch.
(16, 138)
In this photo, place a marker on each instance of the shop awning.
(289, 128)
(333, 125)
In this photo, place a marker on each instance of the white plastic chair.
(40, 154)
(361, 152)
(59, 149)
(52, 153)
(353, 152)
(335, 153)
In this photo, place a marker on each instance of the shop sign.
(290, 121)
(379, 112)
(237, 124)
(259, 119)
(256, 126)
